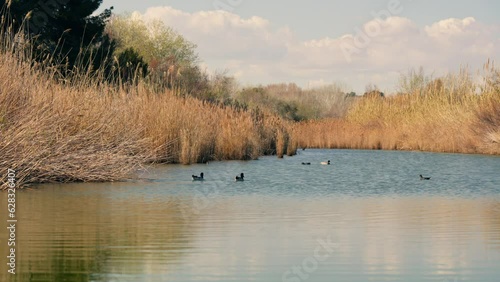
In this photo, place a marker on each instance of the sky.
(352, 43)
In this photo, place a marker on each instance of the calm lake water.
(366, 217)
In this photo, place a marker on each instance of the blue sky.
(319, 42)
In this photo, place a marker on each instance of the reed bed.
(83, 129)
(86, 130)
(452, 114)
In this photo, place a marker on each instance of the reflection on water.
(366, 217)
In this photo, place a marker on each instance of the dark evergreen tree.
(131, 65)
(67, 29)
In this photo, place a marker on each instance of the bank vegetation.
(458, 113)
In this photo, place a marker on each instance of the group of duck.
(323, 163)
(241, 177)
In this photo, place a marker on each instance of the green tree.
(130, 65)
(66, 29)
(171, 58)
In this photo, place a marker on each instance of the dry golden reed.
(87, 131)
(451, 114)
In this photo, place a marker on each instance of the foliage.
(453, 113)
(172, 59)
(413, 82)
(372, 91)
(67, 31)
(292, 102)
(130, 65)
(88, 130)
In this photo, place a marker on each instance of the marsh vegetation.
(449, 114)
(99, 115)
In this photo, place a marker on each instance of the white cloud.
(450, 27)
(222, 35)
(256, 51)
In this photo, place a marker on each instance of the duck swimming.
(239, 178)
(326, 163)
(424, 178)
(306, 163)
(198, 178)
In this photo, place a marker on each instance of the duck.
(326, 163)
(424, 178)
(239, 178)
(306, 163)
(198, 178)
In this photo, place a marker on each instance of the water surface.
(366, 217)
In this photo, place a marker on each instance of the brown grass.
(448, 115)
(82, 129)
(85, 130)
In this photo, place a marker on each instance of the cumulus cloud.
(450, 27)
(221, 35)
(257, 51)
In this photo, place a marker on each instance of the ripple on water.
(377, 219)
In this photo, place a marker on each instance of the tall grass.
(82, 129)
(450, 114)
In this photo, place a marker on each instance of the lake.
(365, 217)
